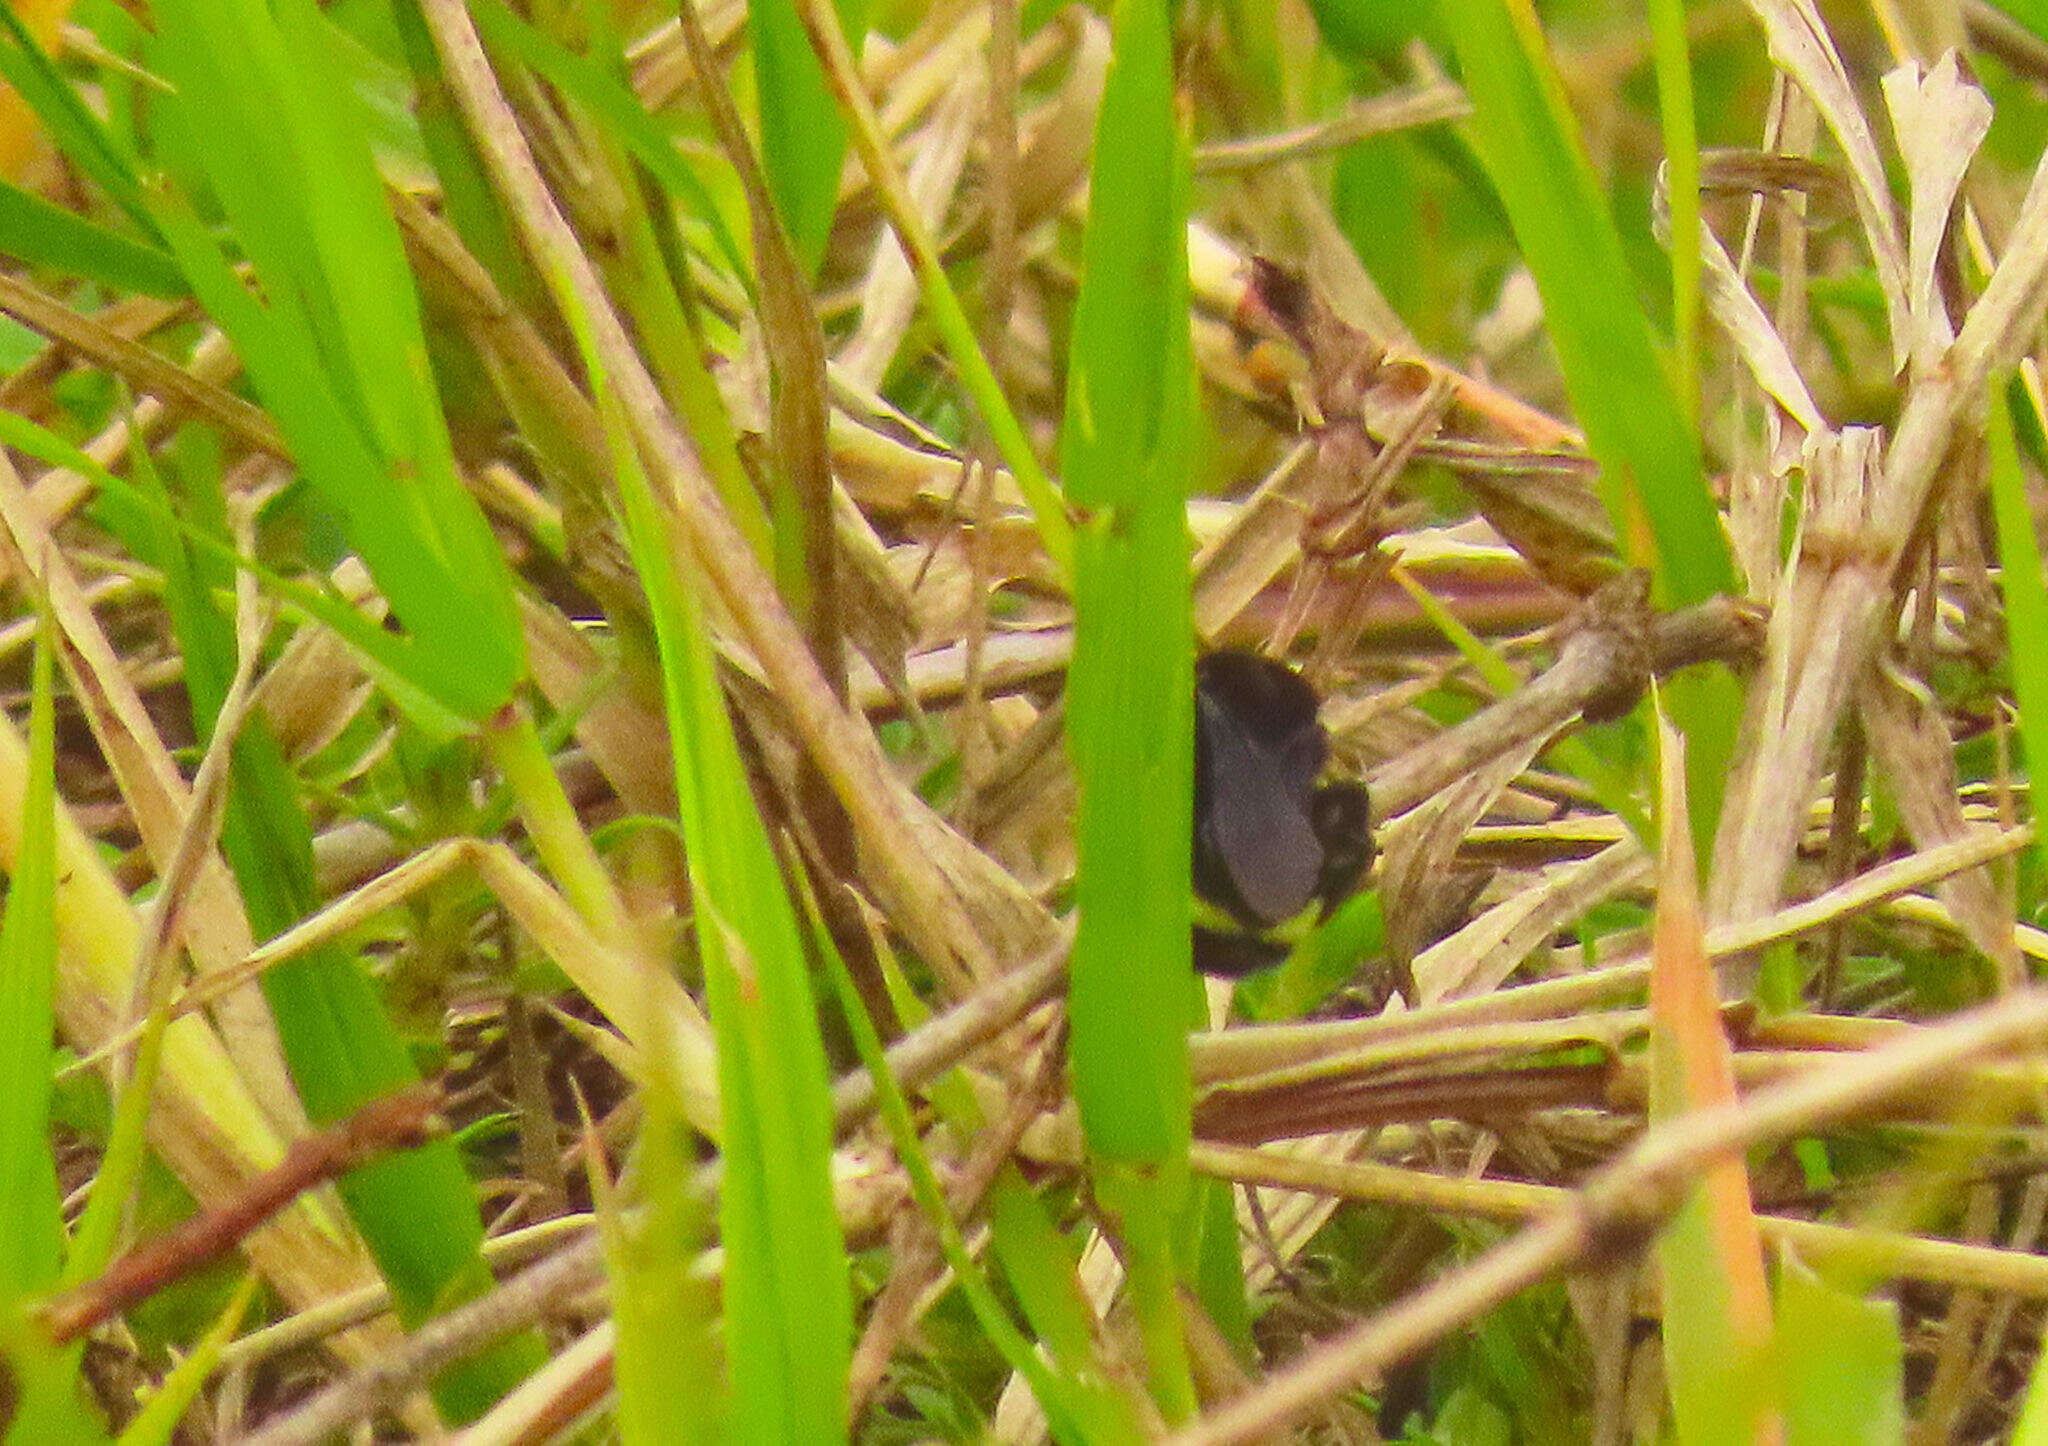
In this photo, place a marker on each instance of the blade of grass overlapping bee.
(1124, 452)
(416, 1210)
(1651, 468)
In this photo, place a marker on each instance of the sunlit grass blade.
(1841, 1363)
(2020, 584)
(335, 345)
(1124, 452)
(803, 138)
(31, 1230)
(1717, 1307)
(788, 1305)
(42, 1382)
(157, 1421)
(34, 231)
(1652, 474)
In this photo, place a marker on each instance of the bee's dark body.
(1271, 843)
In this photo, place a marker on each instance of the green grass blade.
(1842, 1363)
(42, 1381)
(1651, 469)
(1682, 159)
(335, 347)
(2020, 584)
(1125, 446)
(416, 1210)
(1131, 684)
(803, 137)
(31, 1230)
(788, 1303)
(34, 231)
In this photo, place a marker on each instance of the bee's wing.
(1255, 819)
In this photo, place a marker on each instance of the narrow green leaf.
(34, 231)
(1652, 474)
(1842, 1363)
(2020, 583)
(1131, 685)
(31, 1229)
(788, 1305)
(803, 137)
(1682, 162)
(1125, 445)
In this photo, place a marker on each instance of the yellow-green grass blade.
(1078, 1406)
(417, 1211)
(1652, 474)
(34, 231)
(1651, 468)
(1124, 450)
(31, 1228)
(1841, 1363)
(158, 1419)
(42, 1381)
(803, 137)
(2020, 583)
(72, 125)
(669, 1384)
(335, 347)
(788, 1301)
(1682, 161)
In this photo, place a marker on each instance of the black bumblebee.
(1275, 850)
